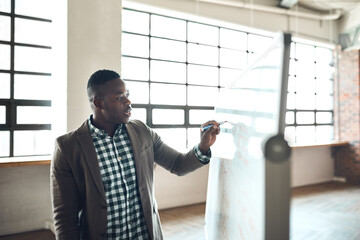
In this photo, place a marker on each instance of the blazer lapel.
(88, 149)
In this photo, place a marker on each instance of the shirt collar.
(96, 132)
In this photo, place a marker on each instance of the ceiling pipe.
(327, 17)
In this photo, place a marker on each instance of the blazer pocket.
(145, 148)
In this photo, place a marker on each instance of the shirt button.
(119, 158)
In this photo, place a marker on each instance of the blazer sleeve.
(64, 194)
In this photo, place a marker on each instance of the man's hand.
(208, 136)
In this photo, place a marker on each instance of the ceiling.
(328, 5)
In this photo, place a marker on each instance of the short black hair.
(97, 79)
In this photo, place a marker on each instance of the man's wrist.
(204, 158)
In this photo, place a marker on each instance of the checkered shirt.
(204, 158)
(125, 219)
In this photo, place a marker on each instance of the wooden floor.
(328, 211)
(325, 212)
(35, 235)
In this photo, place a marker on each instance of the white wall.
(25, 198)
(94, 42)
(173, 191)
(311, 165)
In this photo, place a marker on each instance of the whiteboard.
(248, 194)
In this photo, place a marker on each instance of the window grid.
(11, 103)
(250, 54)
(314, 110)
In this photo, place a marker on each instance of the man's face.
(116, 106)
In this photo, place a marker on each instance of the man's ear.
(97, 103)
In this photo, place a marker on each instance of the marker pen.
(209, 126)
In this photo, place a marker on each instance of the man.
(102, 173)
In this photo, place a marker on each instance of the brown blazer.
(77, 192)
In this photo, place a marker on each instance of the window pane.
(227, 76)
(233, 39)
(136, 22)
(193, 137)
(32, 59)
(325, 86)
(168, 50)
(201, 33)
(202, 96)
(168, 27)
(292, 67)
(174, 137)
(305, 52)
(4, 143)
(33, 115)
(290, 118)
(139, 92)
(200, 116)
(168, 116)
(305, 68)
(258, 43)
(37, 84)
(39, 140)
(202, 75)
(323, 55)
(324, 133)
(139, 113)
(4, 85)
(4, 27)
(291, 83)
(2, 115)
(305, 101)
(34, 8)
(32, 32)
(324, 71)
(168, 94)
(168, 72)
(290, 135)
(324, 117)
(290, 101)
(305, 134)
(5, 6)
(324, 102)
(203, 54)
(135, 45)
(292, 50)
(134, 68)
(5, 57)
(305, 84)
(305, 118)
(233, 58)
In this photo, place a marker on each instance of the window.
(25, 77)
(176, 67)
(310, 99)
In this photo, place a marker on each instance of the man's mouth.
(128, 111)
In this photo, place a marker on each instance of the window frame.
(250, 54)
(12, 103)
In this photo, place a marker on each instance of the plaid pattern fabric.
(125, 219)
(202, 157)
